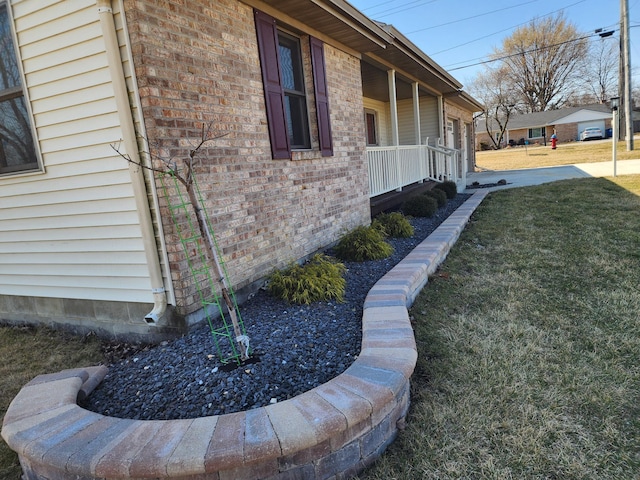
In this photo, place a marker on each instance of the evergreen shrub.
(420, 206)
(449, 187)
(439, 195)
(363, 243)
(320, 279)
(393, 224)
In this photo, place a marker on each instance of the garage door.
(593, 123)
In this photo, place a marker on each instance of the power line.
(474, 16)
(521, 53)
(401, 8)
(506, 29)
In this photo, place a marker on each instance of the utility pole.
(625, 73)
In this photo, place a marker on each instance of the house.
(315, 109)
(537, 128)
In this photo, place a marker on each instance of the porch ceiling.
(375, 84)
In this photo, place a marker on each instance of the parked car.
(591, 133)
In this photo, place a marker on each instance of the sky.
(459, 34)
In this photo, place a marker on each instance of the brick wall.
(565, 133)
(198, 63)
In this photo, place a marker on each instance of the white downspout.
(105, 13)
(441, 120)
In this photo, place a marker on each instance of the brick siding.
(199, 64)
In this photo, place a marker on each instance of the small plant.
(363, 243)
(449, 187)
(420, 206)
(438, 194)
(393, 224)
(321, 278)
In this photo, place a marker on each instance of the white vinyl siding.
(73, 231)
(406, 130)
(429, 119)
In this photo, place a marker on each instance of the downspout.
(441, 122)
(105, 13)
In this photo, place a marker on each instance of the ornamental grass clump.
(449, 187)
(438, 194)
(361, 244)
(320, 279)
(420, 206)
(393, 224)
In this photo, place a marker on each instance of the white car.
(591, 133)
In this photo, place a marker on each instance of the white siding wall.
(73, 231)
(406, 129)
(429, 119)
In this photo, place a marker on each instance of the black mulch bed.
(295, 348)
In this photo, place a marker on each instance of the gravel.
(295, 348)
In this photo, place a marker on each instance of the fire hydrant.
(554, 141)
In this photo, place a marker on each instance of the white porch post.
(393, 107)
(393, 104)
(416, 113)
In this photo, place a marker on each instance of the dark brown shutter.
(322, 97)
(273, 92)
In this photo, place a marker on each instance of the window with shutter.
(285, 96)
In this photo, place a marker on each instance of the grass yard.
(529, 342)
(540, 156)
(28, 352)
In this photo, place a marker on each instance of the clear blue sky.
(460, 33)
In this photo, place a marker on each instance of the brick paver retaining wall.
(332, 431)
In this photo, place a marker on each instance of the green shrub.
(420, 206)
(321, 278)
(363, 243)
(438, 194)
(393, 225)
(449, 187)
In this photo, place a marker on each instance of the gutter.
(105, 13)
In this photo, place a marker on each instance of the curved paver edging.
(332, 431)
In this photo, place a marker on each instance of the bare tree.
(600, 73)
(185, 175)
(500, 101)
(542, 60)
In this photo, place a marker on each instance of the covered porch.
(418, 120)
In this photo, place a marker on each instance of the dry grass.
(529, 341)
(27, 353)
(539, 156)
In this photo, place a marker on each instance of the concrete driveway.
(537, 176)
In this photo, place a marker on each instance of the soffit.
(336, 19)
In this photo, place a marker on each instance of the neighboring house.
(537, 128)
(87, 239)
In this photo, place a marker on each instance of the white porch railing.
(391, 168)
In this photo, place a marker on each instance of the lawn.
(27, 353)
(528, 339)
(529, 342)
(540, 156)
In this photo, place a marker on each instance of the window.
(538, 132)
(283, 78)
(17, 152)
(295, 99)
(371, 122)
